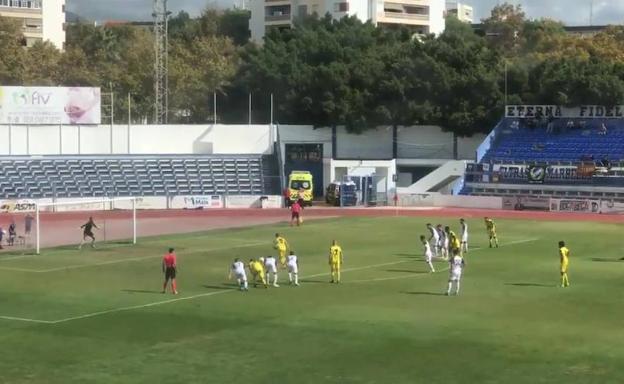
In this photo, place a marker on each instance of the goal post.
(71, 212)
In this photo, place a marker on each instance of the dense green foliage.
(334, 72)
(387, 322)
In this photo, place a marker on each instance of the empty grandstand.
(138, 175)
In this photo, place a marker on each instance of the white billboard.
(50, 105)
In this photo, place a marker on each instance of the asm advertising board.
(50, 105)
(17, 206)
(196, 202)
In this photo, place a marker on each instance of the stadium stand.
(155, 175)
(580, 159)
(566, 140)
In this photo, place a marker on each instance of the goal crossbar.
(105, 200)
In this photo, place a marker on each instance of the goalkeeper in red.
(87, 232)
(170, 267)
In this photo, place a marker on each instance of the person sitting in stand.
(603, 129)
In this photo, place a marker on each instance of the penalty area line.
(110, 262)
(207, 294)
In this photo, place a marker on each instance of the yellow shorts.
(564, 268)
(492, 233)
(335, 266)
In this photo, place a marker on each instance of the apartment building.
(41, 19)
(423, 16)
(463, 12)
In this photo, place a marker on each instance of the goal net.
(65, 222)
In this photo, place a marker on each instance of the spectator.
(1, 236)
(603, 129)
(12, 234)
(28, 219)
(550, 127)
(286, 195)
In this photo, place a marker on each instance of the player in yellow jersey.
(281, 245)
(491, 230)
(256, 268)
(335, 261)
(564, 254)
(454, 243)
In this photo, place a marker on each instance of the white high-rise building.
(424, 16)
(41, 19)
(463, 12)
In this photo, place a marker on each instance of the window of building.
(4, 3)
(302, 11)
(341, 7)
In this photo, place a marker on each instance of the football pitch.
(97, 316)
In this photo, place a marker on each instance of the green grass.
(512, 324)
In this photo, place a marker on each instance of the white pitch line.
(104, 246)
(27, 320)
(80, 266)
(154, 304)
(411, 276)
(162, 302)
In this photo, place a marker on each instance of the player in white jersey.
(238, 270)
(456, 268)
(270, 266)
(444, 242)
(293, 268)
(427, 253)
(434, 239)
(464, 236)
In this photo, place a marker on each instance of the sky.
(571, 12)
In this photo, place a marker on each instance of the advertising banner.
(50, 105)
(520, 203)
(202, 202)
(536, 174)
(610, 207)
(17, 206)
(557, 111)
(572, 205)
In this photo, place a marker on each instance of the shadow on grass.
(412, 255)
(424, 293)
(531, 285)
(405, 271)
(314, 281)
(604, 260)
(141, 291)
(224, 286)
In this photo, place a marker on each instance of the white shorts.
(428, 258)
(455, 276)
(464, 239)
(241, 276)
(446, 244)
(270, 268)
(293, 268)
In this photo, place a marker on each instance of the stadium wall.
(421, 142)
(143, 139)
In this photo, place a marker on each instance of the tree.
(11, 52)
(467, 88)
(235, 25)
(41, 65)
(197, 70)
(504, 27)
